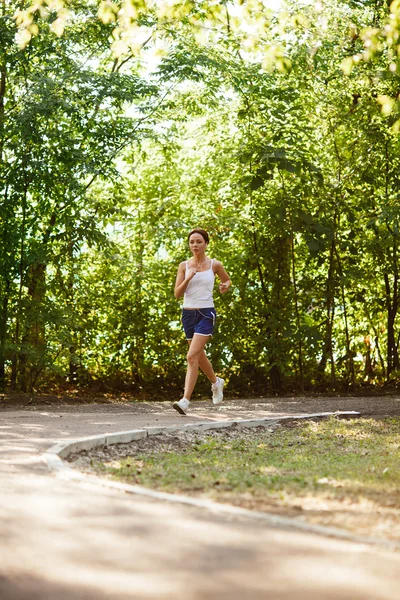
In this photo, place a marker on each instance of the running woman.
(195, 282)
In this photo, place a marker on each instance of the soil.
(71, 398)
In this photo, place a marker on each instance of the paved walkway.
(68, 540)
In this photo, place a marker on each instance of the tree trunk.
(392, 362)
(33, 345)
(73, 362)
(3, 317)
(3, 75)
(296, 305)
(349, 355)
(280, 282)
(327, 350)
(3, 337)
(16, 355)
(368, 370)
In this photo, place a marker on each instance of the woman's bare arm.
(225, 280)
(181, 282)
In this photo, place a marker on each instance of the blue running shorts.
(199, 320)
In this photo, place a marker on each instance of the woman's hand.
(223, 277)
(192, 272)
(224, 286)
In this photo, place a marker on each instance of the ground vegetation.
(340, 473)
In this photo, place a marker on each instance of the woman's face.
(197, 244)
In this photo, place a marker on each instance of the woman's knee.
(193, 358)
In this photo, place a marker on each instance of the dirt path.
(69, 540)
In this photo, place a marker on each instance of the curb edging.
(64, 449)
(54, 455)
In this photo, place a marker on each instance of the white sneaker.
(181, 406)
(217, 391)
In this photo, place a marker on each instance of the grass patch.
(321, 467)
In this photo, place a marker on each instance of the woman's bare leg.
(206, 366)
(196, 358)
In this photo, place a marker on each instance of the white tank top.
(199, 292)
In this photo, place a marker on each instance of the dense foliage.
(284, 151)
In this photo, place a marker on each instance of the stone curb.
(53, 457)
(64, 449)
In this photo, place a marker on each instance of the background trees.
(262, 127)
